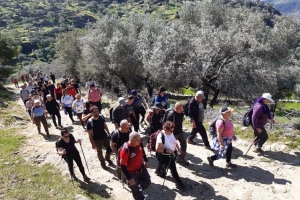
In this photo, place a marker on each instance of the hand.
(222, 146)
(179, 151)
(62, 152)
(259, 130)
(146, 164)
(79, 141)
(93, 146)
(194, 124)
(51, 115)
(273, 121)
(131, 182)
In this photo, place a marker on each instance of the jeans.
(135, 123)
(56, 113)
(142, 181)
(99, 144)
(228, 154)
(200, 128)
(261, 137)
(29, 113)
(77, 159)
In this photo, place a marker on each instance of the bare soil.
(272, 176)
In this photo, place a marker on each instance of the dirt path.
(274, 176)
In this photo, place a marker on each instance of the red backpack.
(152, 140)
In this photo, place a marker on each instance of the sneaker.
(191, 142)
(104, 167)
(86, 178)
(210, 161)
(230, 165)
(182, 161)
(181, 186)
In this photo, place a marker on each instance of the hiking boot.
(191, 142)
(182, 161)
(181, 186)
(104, 167)
(258, 150)
(110, 163)
(210, 161)
(207, 147)
(73, 176)
(230, 165)
(39, 131)
(48, 135)
(86, 178)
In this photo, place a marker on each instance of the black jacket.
(52, 106)
(177, 119)
(194, 109)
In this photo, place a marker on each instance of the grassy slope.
(25, 180)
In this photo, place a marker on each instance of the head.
(58, 85)
(134, 139)
(23, 87)
(130, 100)
(65, 92)
(35, 95)
(161, 91)
(64, 133)
(78, 96)
(30, 83)
(49, 97)
(124, 126)
(178, 107)
(133, 93)
(92, 86)
(49, 82)
(121, 102)
(71, 76)
(95, 111)
(267, 98)
(90, 80)
(226, 112)
(157, 107)
(37, 103)
(51, 73)
(168, 127)
(199, 96)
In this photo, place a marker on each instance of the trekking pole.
(250, 146)
(70, 170)
(85, 159)
(167, 171)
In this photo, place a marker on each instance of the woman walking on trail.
(79, 105)
(162, 98)
(38, 115)
(66, 148)
(58, 90)
(154, 119)
(66, 103)
(260, 116)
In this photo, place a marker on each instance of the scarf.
(265, 107)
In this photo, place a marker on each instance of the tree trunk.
(214, 99)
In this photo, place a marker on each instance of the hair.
(95, 107)
(124, 121)
(64, 131)
(90, 79)
(77, 95)
(168, 126)
(58, 85)
(133, 135)
(130, 97)
(160, 90)
(48, 95)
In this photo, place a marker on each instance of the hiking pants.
(167, 162)
(69, 111)
(140, 111)
(79, 115)
(99, 144)
(135, 123)
(77, 159)
(228, 154)
(38, 121)
(56, 113)
(200, 128)
(261, 137)
(58, 97)
(98, 104)
(183, 144)
(142, 180)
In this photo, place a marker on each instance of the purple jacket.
(259, 116)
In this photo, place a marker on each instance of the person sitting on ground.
(166, 144)
(67, 149)
(98, 135)
(118, 138)
(260, 116)
(78, 105)
(66, 104)
(222, 141)
(29, 104)
(24, 94)
(94, 96)
(131, 161)
(119, 113)
(38, 114)
(154, 118)
(162, 98)
(53, 109)
(196, 112)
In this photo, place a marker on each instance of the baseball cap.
(200, 94)
(268, 96)
(121, 101)
(133, 92)
(224, 110)
(37, 101)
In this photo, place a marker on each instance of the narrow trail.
(274, 176)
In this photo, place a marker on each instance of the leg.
(29, 113)
(145, 180)
(203, 134)
(106, 144)
(99, 144)
(69, 111)
(45, 124)
(77, 159)
(37, 121)
(69, 161)
(79, 115)
(59, 118)
(183, 146)
(228, 153)
(262, 137)
(193, 134)
(143, 113)
(135, 189)
(54, 120)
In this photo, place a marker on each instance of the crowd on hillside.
(45, 97)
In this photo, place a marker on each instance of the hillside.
(288, 7)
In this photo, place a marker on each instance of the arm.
(147, 119)
(114, 117)
(114, 147)
(257, 110)
(91, 139)
(220, 128)
(106, 128)
(85, 117)
(73, 104)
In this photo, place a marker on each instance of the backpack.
(152, 140)
(247, 117)
(110, 114)
(26, 90)
(165, 117)
(212, 126)
(186, 107)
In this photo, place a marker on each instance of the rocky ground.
(272, 176)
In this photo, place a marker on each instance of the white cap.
(37, 101)
(200, 94)
(268, 96)
(121, 101)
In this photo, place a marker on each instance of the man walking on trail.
(24, 94)
(38, 115)
(30, 86)
(140, 106)
(196, 112)
(53, 109)
(52, 76)
(131, 161)
(119, 113)
(176, 116)
(71, 90)
(118, 138)
(98, 135)
(89, 83)
(94, 95)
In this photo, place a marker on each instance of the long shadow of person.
(285, 158)
(94, 187)
(52, 138)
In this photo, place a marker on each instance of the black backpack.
(247, 117)
(212, 126)
(110, 114)
(165, 117)
(186, 107)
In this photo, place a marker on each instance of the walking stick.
(167, 171)
(250, 146)
(70, 170)
(85, 159)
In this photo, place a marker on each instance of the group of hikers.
(164, 128)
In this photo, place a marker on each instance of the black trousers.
(182, 141)
(79, 115)
(69, 111)
(135, 123)
(228, 154)
(167, 161)
(75, 157)
(142, 180)
(57, 114)
(200, 129)
(98, 104)
(261, 137)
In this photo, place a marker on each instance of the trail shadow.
(197, 190)
(285, 158)
(70, 128)
(52, 138)
(250, 174)
(94, 187)
(194, 159)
